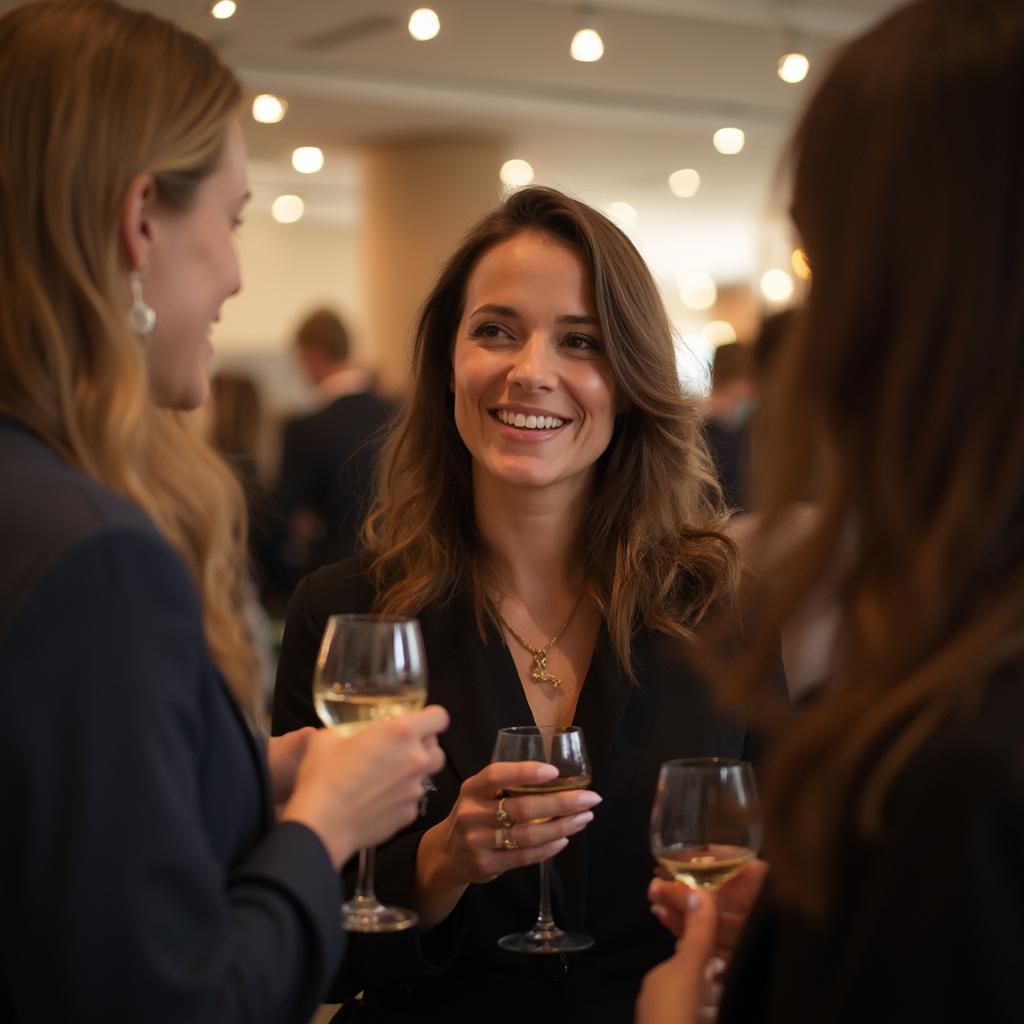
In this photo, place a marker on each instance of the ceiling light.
(697, 290)
(224, 9)
(268, 109)
(801, 265)
(777, 285)
(587, 46)
(308, 159)
(793, 67)
(515, 173)
(424, 24)
(623, 214)
(719, 332)
(684, 183)
(729, 141)
(287, 209)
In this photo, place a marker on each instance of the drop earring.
(141, 316)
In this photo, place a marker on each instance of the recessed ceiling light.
(424, 24)
(287, 209)
(793, 67)
(587, 46)
(684, 183)
(308, 159)
(729, 141)
(223, 9)
(268, 109)
(516, 173)
(623, 214)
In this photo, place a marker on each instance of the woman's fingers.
(501, 775)
(551, 805)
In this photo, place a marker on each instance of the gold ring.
(509, 843)
(501, 815)
(499, 839)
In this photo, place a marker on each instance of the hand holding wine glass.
(369, 670)
(705, 828)
(566, 750)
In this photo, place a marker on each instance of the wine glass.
(565, 748)
(704, 829)
(369, 669)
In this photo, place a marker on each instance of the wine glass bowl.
(704, 823)
(566, 749)
(369, 669)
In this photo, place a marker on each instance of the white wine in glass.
(369, 669)
(705, 824)
(565, 748)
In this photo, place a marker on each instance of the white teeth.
(524, 422)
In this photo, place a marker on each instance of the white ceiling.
(673, 72)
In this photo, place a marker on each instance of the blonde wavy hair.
(91, 95)
(654, 551)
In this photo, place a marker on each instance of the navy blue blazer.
(141, 875)
(456, 972)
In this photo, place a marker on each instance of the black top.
(929, 919)
(599, 881)
(140, 875)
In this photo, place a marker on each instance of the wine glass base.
(545, 942)
(369, 916)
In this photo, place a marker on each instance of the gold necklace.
(539, 665)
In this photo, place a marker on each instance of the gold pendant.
(539, 675)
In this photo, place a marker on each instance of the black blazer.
(457, 973)
(928, 923)
(141, 878)
(327, 463)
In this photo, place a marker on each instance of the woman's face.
(192, 267)
(534, 393)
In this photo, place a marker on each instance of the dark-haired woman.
(895, 806)
(546, 491)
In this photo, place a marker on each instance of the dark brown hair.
(323, 330)
(653, 551)
(898, 392)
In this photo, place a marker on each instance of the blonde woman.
(142, 874)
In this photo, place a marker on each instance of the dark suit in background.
(141, 876)
(599, 881)
(328, 461)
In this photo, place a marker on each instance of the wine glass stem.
(545, 920)
(364, 882)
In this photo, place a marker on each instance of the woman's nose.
(533, 367)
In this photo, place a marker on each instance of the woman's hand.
(284, 755)
(672, 993)
(734, 901)
(356, 791)
(474, 844)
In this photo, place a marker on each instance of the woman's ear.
(137, 220)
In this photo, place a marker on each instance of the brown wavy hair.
(896, 397)
(92, 94)
(654, 553)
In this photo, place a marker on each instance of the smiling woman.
(545, 508)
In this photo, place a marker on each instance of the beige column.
(420, 197)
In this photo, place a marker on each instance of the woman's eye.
(582, 341)
(488, 330)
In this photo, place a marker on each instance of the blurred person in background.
(548, 510)
(727, 420)
(143, 874)
(894, 804)
(328, 458)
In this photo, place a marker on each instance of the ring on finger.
(501, 815)
(508, 843)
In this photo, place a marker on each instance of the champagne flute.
(369, 669)
(704, 829)
(565, 748)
